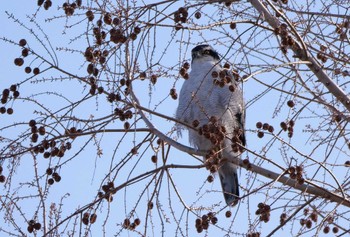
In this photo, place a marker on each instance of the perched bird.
(212, 101)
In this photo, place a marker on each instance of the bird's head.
(204, 52)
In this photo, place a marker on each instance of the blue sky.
(83, 174)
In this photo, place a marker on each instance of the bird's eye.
(206, 52)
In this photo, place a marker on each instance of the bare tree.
(89, 145)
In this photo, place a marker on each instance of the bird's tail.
(229, 183)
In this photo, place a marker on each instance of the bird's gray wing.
(240, 118)
(235, 105)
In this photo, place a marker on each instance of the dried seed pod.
(15, 94)
(116, 21)
(199, 229)
(267, 208)
(126, 125)
(246, 161)
(335, 229)
(231, 88)
(200, 131)
(154, 79)
(137, 221)
(25, 52)
(9, 111)
(308, 224)
(338, 29)
(107, 19)
(291, 123)
(210, 178)
(205, 218)
(56, 177)
(214, 74)
(36, 71)
(143, 75)
(283, 216)
(34, 137)
(34, 129)
(45, 144)
(233, 25)
(271, 129)
(30, 229)
(284, 126)
(182, 71)
(326, 229)
(198, 222)
(186, 76)
(49, 171)
(41, 130)
(222, 74)
(182, 10)
(154, 159)
(213, 168)
(214, 220)
(290, 103)
(134, 151)
(132, 226)
(313, 216)
(85, 219)
(195, 123)
(291, 170)
(93, 218)
(47, 154)
(283, 26)
(205, 225)
(19, 61)
(186, 65)
(213, 119)
(299, 168)
(265, 126)
(301, 181)
(32, 123)
(227, 79)
(128, 114)
(5, 92)
(37, 226)
(319, 55)
(290, 40)
(133, 36)
(197, 15)
(137, 30)
(90, 15)
(259, 125)
(2, 178)
(47, 4)
(277, 31)
(50, 181)
(324, 59)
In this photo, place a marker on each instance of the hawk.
(212, 101)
